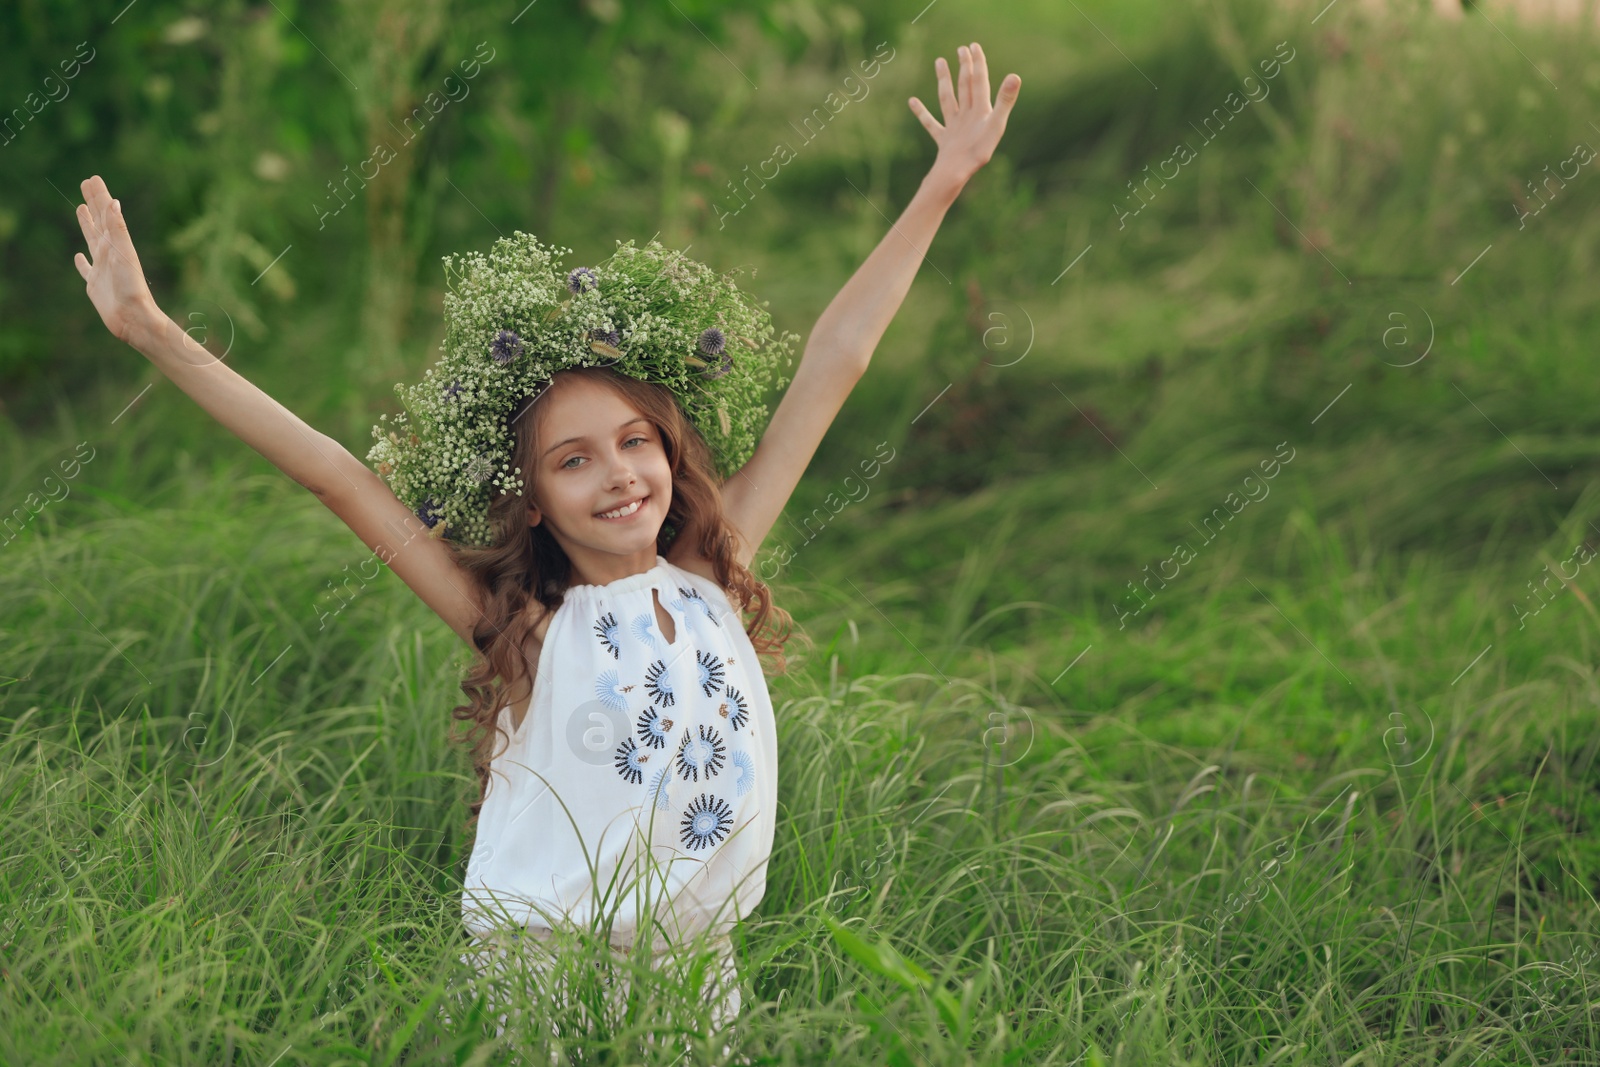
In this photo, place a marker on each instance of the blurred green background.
(1048, 777)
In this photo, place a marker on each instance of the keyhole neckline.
(663, 581)
(664, 613)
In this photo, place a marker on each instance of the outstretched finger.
(86, 223)
(925, 117)
(980, 77)
(98, 197)
(964, 80)
(947, 95)
(1010, 87)
(118, 242)
(82, 265)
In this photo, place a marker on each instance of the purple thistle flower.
(582, 280)
(452, 389)
(507, 346)
(712, 342)
(429, 512)
(610, 337)
(722, 368)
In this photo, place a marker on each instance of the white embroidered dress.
(632, 741)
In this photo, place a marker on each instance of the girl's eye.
(568, 464)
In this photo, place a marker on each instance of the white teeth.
(620, 512)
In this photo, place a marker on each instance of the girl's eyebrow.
(570, 440)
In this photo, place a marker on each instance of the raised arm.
(117, 286)
(847, 333)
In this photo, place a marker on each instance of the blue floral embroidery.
(745, 775)
(609, 688)
(644, 628)
(659, 684)
(658, 786)
(710, 672)
(702, 753)
(706, 821)
(691, 598)
(734, 709)
(631, 761)
(653, 730)
(607, 630)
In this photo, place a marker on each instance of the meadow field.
(1199, 656)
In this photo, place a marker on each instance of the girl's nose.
(622, 472)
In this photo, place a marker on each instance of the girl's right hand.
(972, 125)
(115, 280)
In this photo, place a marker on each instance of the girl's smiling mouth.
(626, 511)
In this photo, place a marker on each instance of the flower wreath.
(511, 323)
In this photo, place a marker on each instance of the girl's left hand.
(972, 125)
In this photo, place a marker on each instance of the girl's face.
(595, 453)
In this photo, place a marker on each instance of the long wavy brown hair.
(524, 574)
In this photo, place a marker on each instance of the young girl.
(608, 594)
